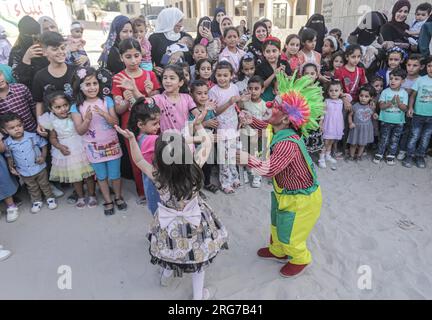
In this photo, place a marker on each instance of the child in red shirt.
(129, 85)
(351, 75)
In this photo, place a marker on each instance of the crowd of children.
(64, 128)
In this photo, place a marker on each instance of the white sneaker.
(51, 202)
(330, 159)
(256, 182)
(401, 155)
(246, 176)
(56, 191)
(322, 163)
(12, 214)
(4, 254)
(36, 207)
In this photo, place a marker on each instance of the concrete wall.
(345, 14)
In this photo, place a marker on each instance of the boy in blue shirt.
(420, 109)
(393, 104)
(25, 154)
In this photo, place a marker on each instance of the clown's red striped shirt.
(286, 164)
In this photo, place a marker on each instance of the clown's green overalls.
(294, 212)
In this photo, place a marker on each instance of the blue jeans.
(403, 144)
(390, 136)
(421, 130)
(151, 193)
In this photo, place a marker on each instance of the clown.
(296, 199)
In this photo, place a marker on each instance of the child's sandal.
(236, 185)
(108, 211)
(211, 187)
(92, 203)
(80, 204)
(121, 204)
(228, 190)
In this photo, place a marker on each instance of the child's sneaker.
(322, 163)
(420, 162)
(408, 161)
(390, 160)
(330, 159)
(73, 198)
(401, 155)
(4, 254)
(51, 202)
(56, 191)
(256, 182)
(11, 214)
(246, 176)
(36, 207)
(377, 158)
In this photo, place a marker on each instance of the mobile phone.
(206, 24)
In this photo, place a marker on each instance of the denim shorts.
(108, 169)
(152, 194)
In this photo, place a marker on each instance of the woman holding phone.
(205, 38)
(26, 57)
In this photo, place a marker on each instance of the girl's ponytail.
(141, 111)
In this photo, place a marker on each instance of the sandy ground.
(372, 215)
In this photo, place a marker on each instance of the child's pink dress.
(333, 125)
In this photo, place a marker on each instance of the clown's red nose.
(269, 104)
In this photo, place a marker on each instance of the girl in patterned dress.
(185, 235)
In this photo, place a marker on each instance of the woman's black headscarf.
(27, 27)
(215, 27)
(369, 28)
(199, 37)
(317, 22)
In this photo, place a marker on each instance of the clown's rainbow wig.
(301, 100)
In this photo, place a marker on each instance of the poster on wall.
(11, 11)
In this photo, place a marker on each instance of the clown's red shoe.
(292, 270)
(266, 254)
